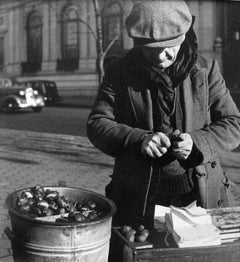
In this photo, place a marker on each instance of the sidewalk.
(30, 158)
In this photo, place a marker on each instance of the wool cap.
(159, 23)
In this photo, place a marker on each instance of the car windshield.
(6, 83)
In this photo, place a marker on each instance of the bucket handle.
(8, 232)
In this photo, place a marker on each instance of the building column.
(49, 37)
(4, 35)
(53, 45)
(14, 66)
(87, 60)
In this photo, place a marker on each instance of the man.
(164, 113)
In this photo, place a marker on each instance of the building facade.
(56, 39)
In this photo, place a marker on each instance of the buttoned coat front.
(122, 116)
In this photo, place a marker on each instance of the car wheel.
(37, 109)
(9, 106)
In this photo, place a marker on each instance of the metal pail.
(40, 241)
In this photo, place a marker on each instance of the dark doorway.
(231, 54)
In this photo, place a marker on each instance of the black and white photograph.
(119, 130)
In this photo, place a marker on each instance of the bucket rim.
(12, 211)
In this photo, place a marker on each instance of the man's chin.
(162, 65)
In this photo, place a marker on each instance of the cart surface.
(160, 248)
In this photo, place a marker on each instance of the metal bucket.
(40, 241)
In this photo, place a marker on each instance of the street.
(58, 150)
(56, 120)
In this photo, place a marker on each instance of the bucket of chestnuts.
(60, 223)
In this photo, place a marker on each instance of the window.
(70, 34)
(112, 26)
(34, 44)
(1, 53)
(70, 40)
(34, 38)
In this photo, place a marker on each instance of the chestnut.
(61, 211)
(54, 206)
(22, 201)
(39, 188)
(62, 202)
(126, 229)
(91, 204)
(145, 232)
(79, 217)
(71, 217)
(140, 238)
(85, 213)
(92, 216)
(37, 211)
(140, 227)
(71, 208)
(37, 196)
(47, 212)
(24, 208)
(27, 194)
(85, 208)
(130, 235)
(78, 206)
(31, 201)
(42, 204)
(51, 195)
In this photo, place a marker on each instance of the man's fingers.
(161, 140)
(155, 145)
(154, 150)
(161, 149)
(152, 153)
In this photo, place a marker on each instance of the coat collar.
(142, 107)
(193, 92)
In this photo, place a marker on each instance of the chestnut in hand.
(130, 235)
(142, 235)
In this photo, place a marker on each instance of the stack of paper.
(228, 222)
(192, 226)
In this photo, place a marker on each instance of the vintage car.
(14, 96)
(48, 89)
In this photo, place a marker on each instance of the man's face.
(161, 57)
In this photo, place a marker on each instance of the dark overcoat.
(122, 116)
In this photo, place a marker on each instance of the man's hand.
(182, 146)
(155, 145)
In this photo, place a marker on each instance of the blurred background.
(61, 47)
(53, 54)
(67, 41)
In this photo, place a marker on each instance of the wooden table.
(157, 250)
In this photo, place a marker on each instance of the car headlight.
(21, 93)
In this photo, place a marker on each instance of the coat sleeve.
(103, 128)
(223, 132)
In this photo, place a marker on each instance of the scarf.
(163, 83)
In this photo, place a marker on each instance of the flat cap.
(159, 22)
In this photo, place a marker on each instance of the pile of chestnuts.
(139, 234)
(39, 202)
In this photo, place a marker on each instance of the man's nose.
(165, 54)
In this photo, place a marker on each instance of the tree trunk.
(99, 42)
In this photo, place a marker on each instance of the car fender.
(13, 97)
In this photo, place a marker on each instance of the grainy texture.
(30, 158)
